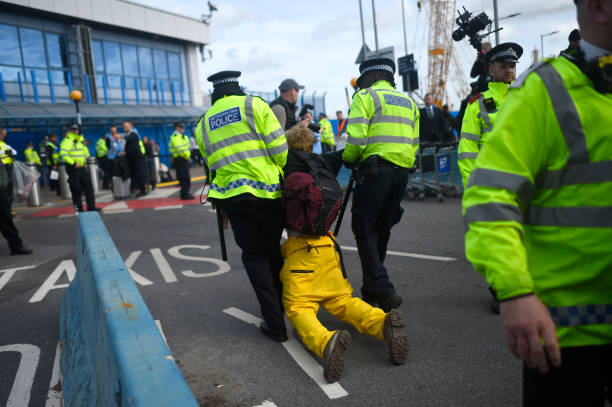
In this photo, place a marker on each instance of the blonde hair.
(300, 138)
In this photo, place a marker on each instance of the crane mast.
(440, 46)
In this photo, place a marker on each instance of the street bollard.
(63, 180)
(92, 165)
(156, 167)
(34, 195)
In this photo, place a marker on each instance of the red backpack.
(311, 200)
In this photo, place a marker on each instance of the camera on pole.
(471, 27)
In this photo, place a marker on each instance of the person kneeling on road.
(313, 273)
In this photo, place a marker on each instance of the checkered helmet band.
(378, 68)
(224, 80)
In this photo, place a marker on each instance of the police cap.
(222, 77)
(179, 124)
(506, 52)
(73, 126)
(376, 64)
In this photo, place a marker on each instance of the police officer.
(482, 109)
(31, 156)
(52, 158)
(383, 129)
(327, 133)
(245, 149)
(539, 211)
(181, 153)
(102, 147)
(74, 153)
(7, 154)
(7, 227)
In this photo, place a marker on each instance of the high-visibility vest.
(244, 144)
(179, 146)
(477, 124)
(101, 148)
(31, 156)
(52, 160)
(327, 132)
(382, 122)
(5, 158)
(539, 202)
(72, 149)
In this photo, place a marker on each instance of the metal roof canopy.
(44, 114)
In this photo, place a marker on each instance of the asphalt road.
(458, 355)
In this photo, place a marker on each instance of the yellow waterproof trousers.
(311, 277)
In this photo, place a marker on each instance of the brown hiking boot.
(333, 355)
(395, 336)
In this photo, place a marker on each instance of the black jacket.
(290, 109)
(132, 146)
(297, 160)
(434, 128)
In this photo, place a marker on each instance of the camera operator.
(480, 68)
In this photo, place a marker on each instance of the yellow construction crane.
(440, 46)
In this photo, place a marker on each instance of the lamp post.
(76, 97)
(542, 40)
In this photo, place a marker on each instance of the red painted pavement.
(134, 204)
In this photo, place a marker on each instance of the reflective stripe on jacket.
(72, 149)
(242, 141)
(31, 156)
(383, 122)
(477, 125)
(179, 146)
(539, 203)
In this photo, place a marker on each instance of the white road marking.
(162, 208)
(7, 274)
(159, 193)
(55, 398)
(161, 331)
(403, 254)
(117, 211)
(66, 266)
(129, 262)
(266, 403)
(299, 355)
(223, 267)
(105, 197)
(20, 392)
(115, 206)
(67, 215)
(164, 266)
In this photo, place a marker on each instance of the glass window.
(174, 65)
(58, 77)
(112, 58)
(33, 47)
(55, 50)
(10, 53)
(146, 63)
(41, 76)
(113, 81)
(9, 73)
(130, 59)
(98, 56)
(130, 82)
(161, 66)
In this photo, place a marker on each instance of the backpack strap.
(337, 247)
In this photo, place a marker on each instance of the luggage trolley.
(433, 161)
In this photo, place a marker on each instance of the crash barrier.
(112, 352)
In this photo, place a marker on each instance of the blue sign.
(443, 164)
(224, 118)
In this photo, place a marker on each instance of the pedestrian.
(7, 155)
(151, 151)
(432, 125)
(284, 107)
(181, 153)
(245, 147)
(538, 213)
(102, 147)
(135, 157)
(481, 113)
(574, 42)
(341, 134)
(7, 227)
(327, 133)
(74, 153)
(196, 157)
(449, 121)
(31, 156)
(52, 160)
(383, 139)
(313, 274)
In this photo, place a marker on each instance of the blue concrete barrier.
(112, 352)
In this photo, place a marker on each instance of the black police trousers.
(78, 179)
(181, 166)
(7, 227)
(583, 379)
(257, 228)
(376, 208)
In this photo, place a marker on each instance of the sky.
(317, 42)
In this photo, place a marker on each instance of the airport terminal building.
(130, 61)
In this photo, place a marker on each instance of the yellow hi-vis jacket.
(383, 122)
(5, 158)
(242, 141)
(477, 125)
(179, 145)
(327, 132)
(31, 156)
(101, 148)
(539, 203)
(52, 160)
(72, 149)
